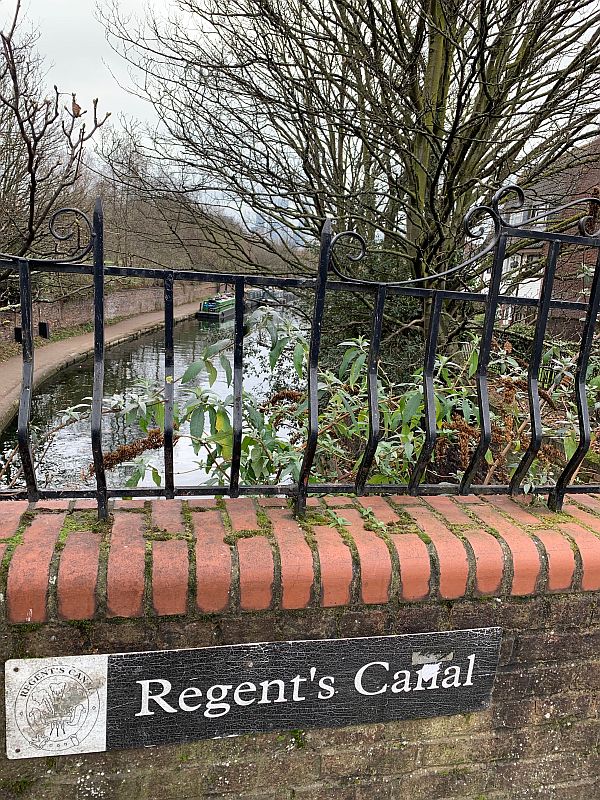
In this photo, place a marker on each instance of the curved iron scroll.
(503, 228)
(471, 225)
(581, 222)
(79, 222)
(74, 226)
(471, 218)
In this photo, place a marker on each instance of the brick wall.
(169, 575)
(129, 302)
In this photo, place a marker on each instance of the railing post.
(485, 349)
(98, 385)
(372, 381)
(238, 356)
(169, 387)
(557, 495)
(24, 417)
(428, 396)
(313, 366)
(533, 374)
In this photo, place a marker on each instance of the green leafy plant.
(274, 428)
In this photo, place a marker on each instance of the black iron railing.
(500, 233)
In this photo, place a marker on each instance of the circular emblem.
(57, 707)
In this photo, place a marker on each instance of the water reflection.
(69, 455)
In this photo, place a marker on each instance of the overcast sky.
(77, 56)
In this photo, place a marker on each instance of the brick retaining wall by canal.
(119, 304)
(171, 574)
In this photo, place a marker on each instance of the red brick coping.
(195, 557)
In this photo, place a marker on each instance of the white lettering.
(428, 672)
(243, 687)
(297, 680)
(359, 675)
(469, 680)
(215, 707)
(401, 684)
(265, 691)
(158, 698)
(326, 686)
(451, 677)
(191, 691)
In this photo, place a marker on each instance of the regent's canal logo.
(57, 708)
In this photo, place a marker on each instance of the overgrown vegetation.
(275, 428)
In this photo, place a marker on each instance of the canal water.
(69, 455)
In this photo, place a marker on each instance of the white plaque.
(55, 706)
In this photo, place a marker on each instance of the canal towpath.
(54, 356)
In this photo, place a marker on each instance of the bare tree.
(153, 217)
(43, 140)
(392, 116)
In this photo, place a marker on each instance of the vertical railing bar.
(533, 374)
(313, 365)
(485, 349)
(428, 397)
(169, 387)
(374, 426)
(98, 384)
(557, 495)
(23, 429)
(238, 378)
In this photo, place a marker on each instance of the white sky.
(77, 56)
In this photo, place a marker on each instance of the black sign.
(175, 696)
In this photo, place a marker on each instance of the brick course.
(126, 566)
(213, 562)
(451, 553)
(452, 557)
(28, 573)
(170, 576)
(426, 565)
(77, 576)
(335, 560)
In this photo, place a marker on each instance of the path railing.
(331, 279)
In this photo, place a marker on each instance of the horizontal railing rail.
(500, 234)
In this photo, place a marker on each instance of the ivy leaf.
(155, 476)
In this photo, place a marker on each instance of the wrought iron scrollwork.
(494, 213)
(581, 223)
(71, 219)
(504, 193)
(64, 225)
(473, 216)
